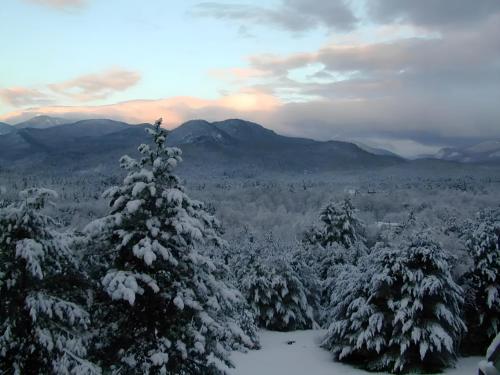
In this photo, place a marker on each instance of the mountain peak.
(42, 122)
(245, 130)
(197, 131)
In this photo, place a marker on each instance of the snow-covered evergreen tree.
(360, 324)
(482, 283)
(427, 323)
(402, 313)
(226, 259)
(339, 225)
(42, 326)
(277, 284)
(278, 296)
(338, 240)
(165, 311)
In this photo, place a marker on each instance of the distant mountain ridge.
(230, 145)
(484, 152)
(375, 150)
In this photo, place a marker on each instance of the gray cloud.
(432, 91)
(291, 15)
(433, 13)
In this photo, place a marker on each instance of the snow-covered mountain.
(233, 145)
(41, 122)
(488, 151)
(243, 145)
(197, 131)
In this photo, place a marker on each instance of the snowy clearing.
(304, 356)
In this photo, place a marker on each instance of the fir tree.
(41, 325)
(482, 283)
(278, 296)
(401, 313)
(167, 308)
(278, 286)
(360, 323)
(339, 225)
(427, 323)
(337, 241)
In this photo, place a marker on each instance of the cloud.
(433, 13)
(245, 103)
(290, 15)
(456, 52)
(85, 88)
(60, 4)
(97, 86)
(21, 96)
(419, 81)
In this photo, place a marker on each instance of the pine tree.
(278, 286)
(401, 312)
(427, 322)
(278, 296)
(41, 324)
(337, 241)
(166, 305)
(339, 225)
(482, 283)
(360, 320)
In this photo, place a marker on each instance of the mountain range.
(230, 146)
(233, 145)
(480, 153)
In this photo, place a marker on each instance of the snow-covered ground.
(305, 357)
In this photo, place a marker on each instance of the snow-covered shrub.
(165, 305)
(42, 326)
(401, 312)
(482, 284)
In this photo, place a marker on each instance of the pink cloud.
(60, 4)
(84, 88)
(98, 85)
(21, 96)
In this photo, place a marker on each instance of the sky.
(409, 76)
